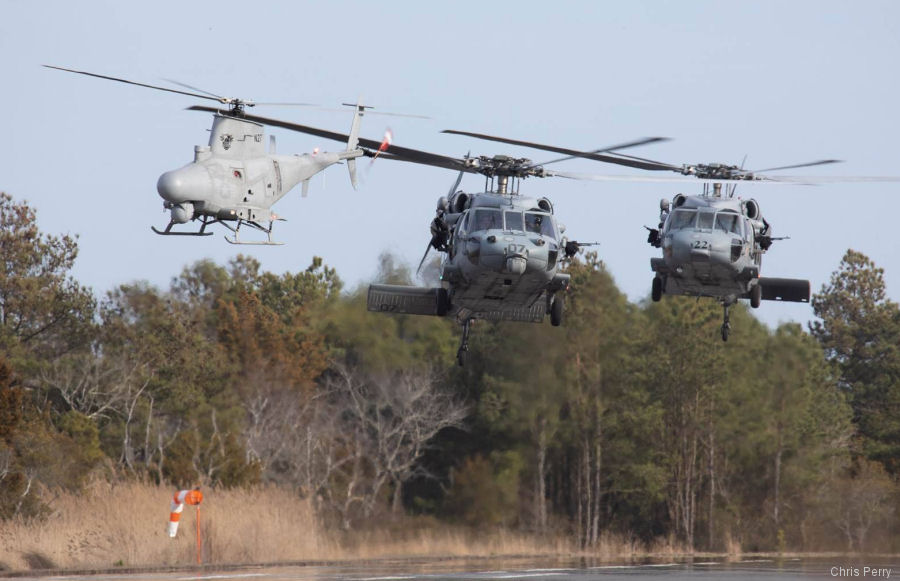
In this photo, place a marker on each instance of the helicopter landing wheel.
(726, 324)
(656, 289)
(755, 295)
(556, 310)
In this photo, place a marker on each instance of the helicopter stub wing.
(406, 300)
(792, 290)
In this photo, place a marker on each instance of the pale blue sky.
(781, 82)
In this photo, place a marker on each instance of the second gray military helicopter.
(713, 243)
(503, 253)
(233, 180)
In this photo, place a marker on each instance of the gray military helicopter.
(233, 180)
(712, 246)
(503, 253)
(713, 243)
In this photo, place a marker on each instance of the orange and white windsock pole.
(182, 497)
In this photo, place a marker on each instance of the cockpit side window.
(682, 219)
(705, 220)
(539, 224)
(486, 219)
(514, 221)
(462, 223)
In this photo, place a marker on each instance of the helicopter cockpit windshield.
(487, 219)
(682, 219)
(729, 222)
(514, 222)
(539, 224)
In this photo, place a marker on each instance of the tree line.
(630, 419)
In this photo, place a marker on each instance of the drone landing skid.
(167, 232)
(256, 225)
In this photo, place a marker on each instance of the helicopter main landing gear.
(557, 305)
(656, 289)
(463, 344)
(726, 324)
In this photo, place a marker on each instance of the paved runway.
(579, 570)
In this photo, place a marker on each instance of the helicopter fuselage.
(710, 247)
(503, 258)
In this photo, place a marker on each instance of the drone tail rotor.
(353, 141)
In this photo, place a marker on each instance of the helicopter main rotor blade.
(612, 149)
(424, 256)
(108, 78)
(656, 166)
(667, 180)
(809, 164)
(393, 152)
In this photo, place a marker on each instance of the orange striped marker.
(182, 497)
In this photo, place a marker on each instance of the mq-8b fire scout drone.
(502, 252)
(233, 179)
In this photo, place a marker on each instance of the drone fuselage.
(233, 178)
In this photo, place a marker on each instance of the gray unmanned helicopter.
(233, 179)
(503, 252)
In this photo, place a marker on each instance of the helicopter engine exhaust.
(182, 213)
(460, 202)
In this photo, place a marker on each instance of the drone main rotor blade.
(393, 152)
(280, 104)
(197, 95)
(199, 90)
(656, 166)
(368, 111)
(809, 164)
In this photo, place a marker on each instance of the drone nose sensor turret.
(184, 184)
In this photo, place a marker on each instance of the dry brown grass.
(124, 524)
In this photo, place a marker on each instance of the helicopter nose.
(183, 184)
